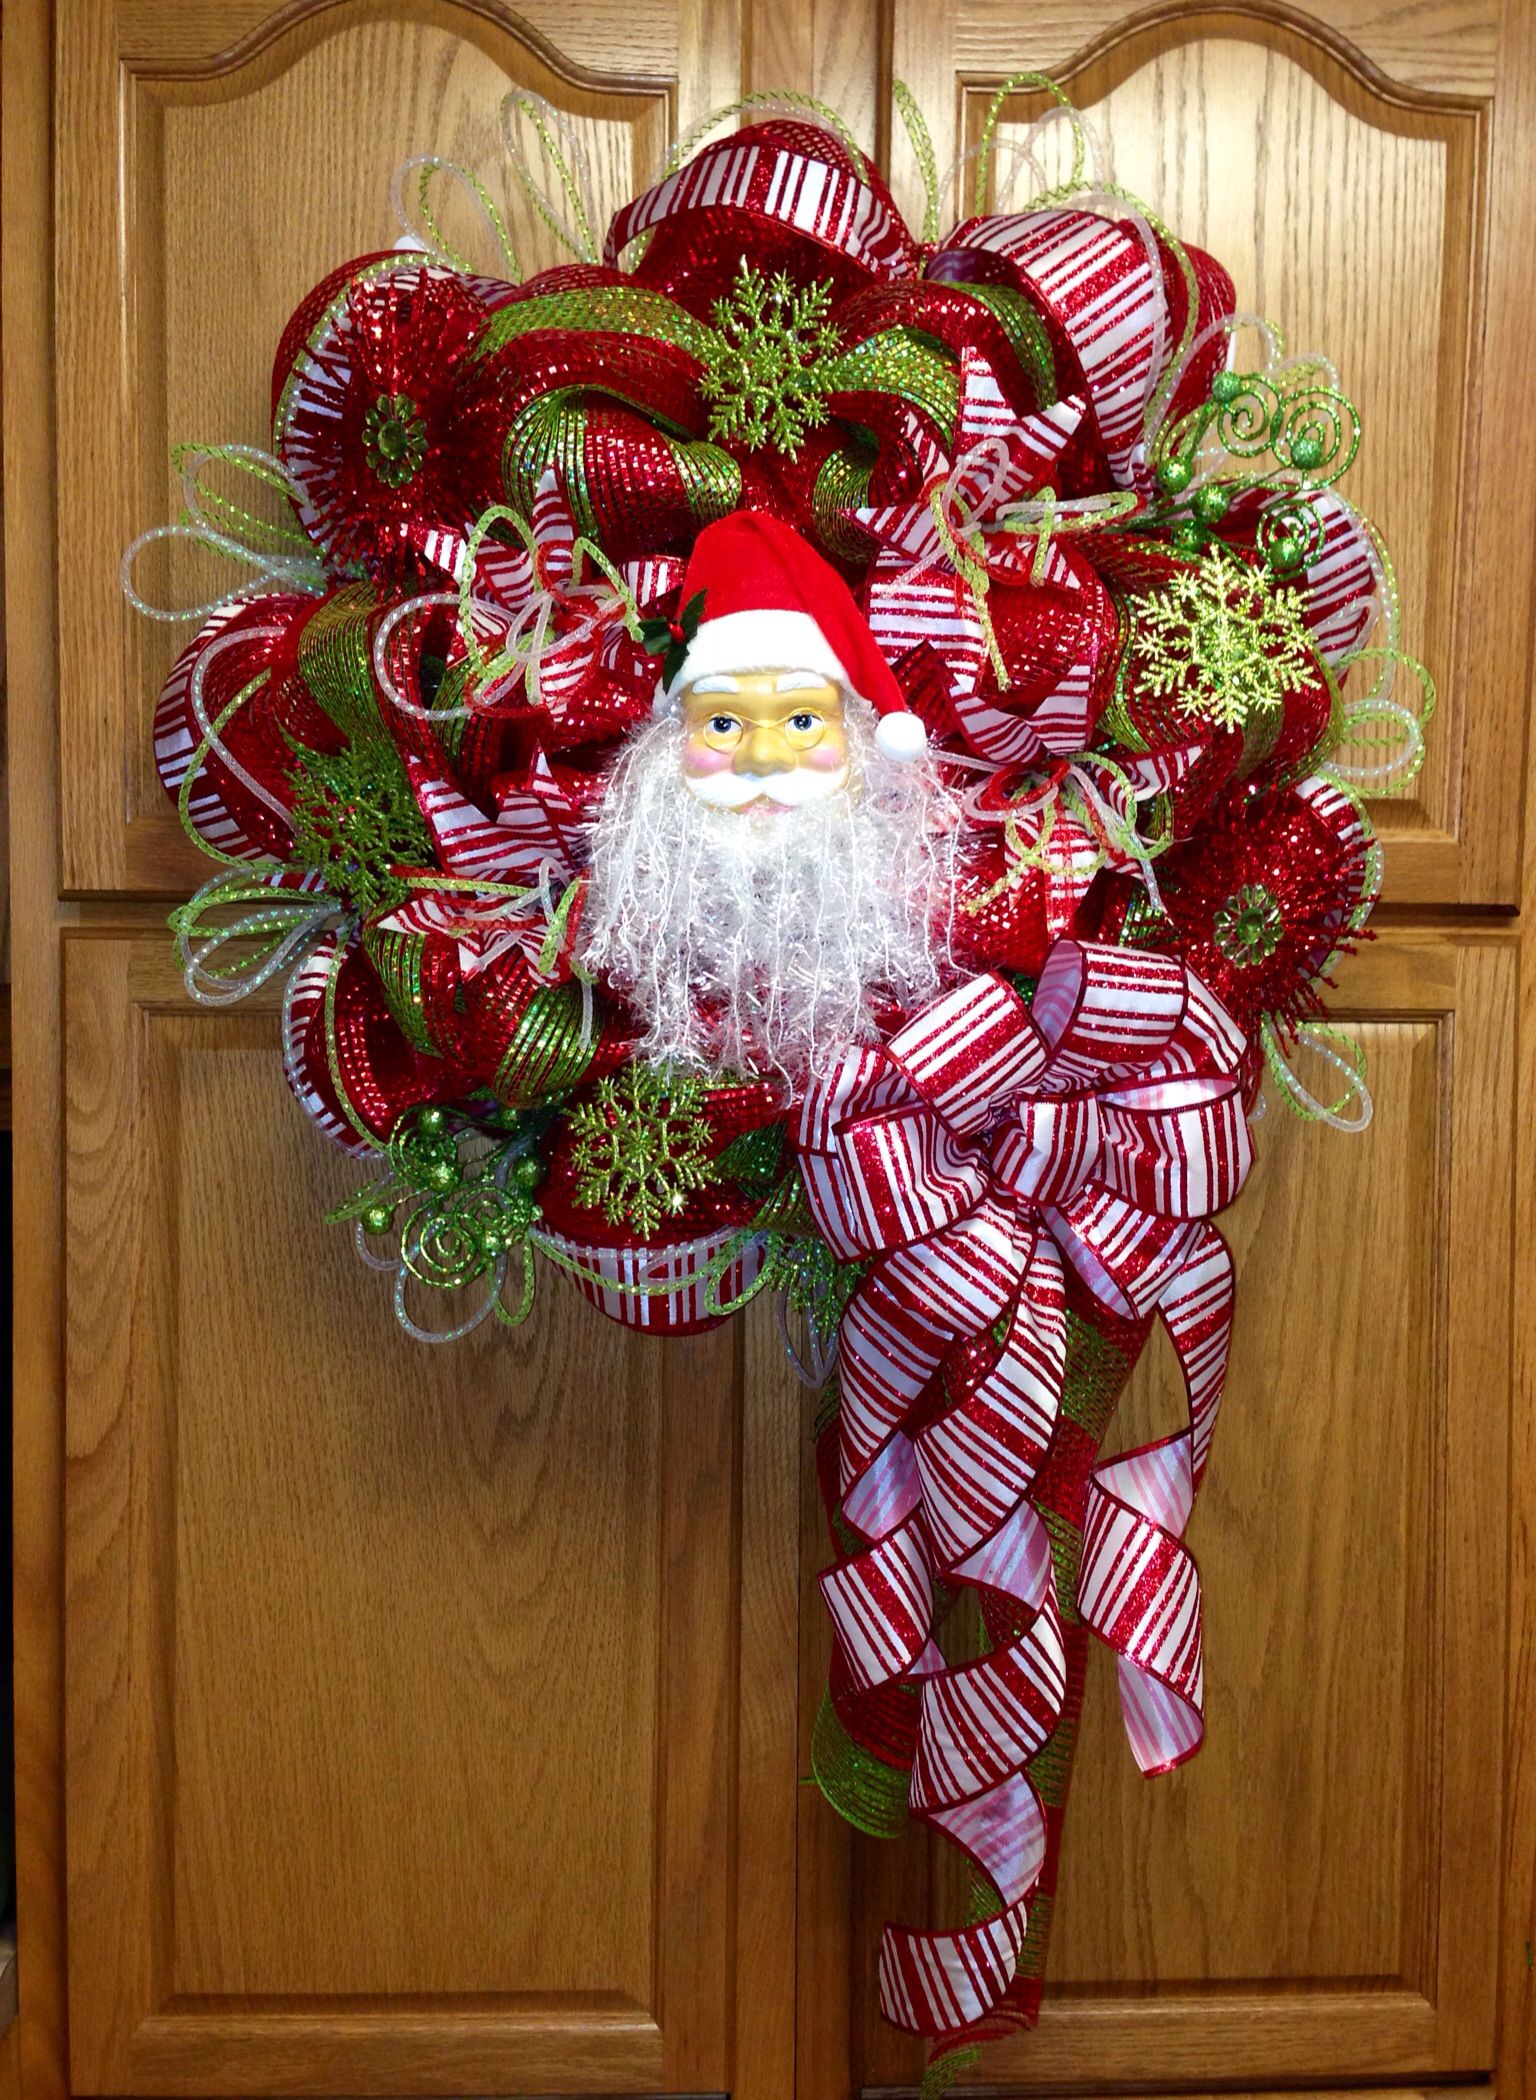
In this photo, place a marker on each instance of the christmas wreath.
(791, 756)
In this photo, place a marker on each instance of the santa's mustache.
(790, 790)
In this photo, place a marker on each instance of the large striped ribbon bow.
(982, 1149)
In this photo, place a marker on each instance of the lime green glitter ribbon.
(225, 959)
(279, 556)
(437, 244)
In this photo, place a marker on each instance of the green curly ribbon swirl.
(1284, 417)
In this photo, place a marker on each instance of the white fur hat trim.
(758, 641)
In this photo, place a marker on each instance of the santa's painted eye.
(722, 725)
(803, 722)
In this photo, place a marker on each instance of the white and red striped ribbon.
(914, 595)
(304, 1056)
(674, 1288)
(1097, 280)
(1338, 586)
(533, 828)
(985, 1145)
(773, 180)
(266, 621)
(484, 929)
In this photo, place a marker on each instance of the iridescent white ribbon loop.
(526, 617)
(280, 914)
(1083, 816)
(572, 220)
(433, 245)
(268, 573)
(273, 568)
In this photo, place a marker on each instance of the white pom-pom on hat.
(901, 737)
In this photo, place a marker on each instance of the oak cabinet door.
(1310, 1900)
(1363, 169)
(215, 159)
(430, 1712)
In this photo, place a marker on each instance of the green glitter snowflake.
(772, 363)
(1249, 926)
(642, 1146)
(1224, 641)
(354, 819)
(394, 439)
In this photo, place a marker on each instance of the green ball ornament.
(521, 1215)
(1226, 387)
(432, 1122)
(1174, 476)
(1187, 540)
(528, 1172)
(1307, 451)
(378, 1218)
(1211, 503)
(442, 1175)
(1285, 552)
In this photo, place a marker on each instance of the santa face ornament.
(764, 739)
(772, 862)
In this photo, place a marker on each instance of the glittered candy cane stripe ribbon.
(769, 173)
(1093, 276)
(972, 1156)
(929, 582)
(680, 1287)
(1138, 1586)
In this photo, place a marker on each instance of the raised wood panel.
(413, 1695)
(1308, 1899)
(214, 162)
(1439, 46)
(1341, 163)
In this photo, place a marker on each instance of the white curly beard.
(758, 941)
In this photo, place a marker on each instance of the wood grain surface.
(407, 1686)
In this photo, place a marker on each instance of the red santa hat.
(770, 602)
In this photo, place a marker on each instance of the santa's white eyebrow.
(717, 682)
(798, 681)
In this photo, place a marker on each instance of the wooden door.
(410, 1691)
(428, 1715)
(1314, 1900)
(429, 1722)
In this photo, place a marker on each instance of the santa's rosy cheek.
(700, 760)
(826, 758)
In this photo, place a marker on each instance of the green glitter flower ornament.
(1249, 926)
(772, 362)
(395, 439)
(642, 1146)
(1224, 641)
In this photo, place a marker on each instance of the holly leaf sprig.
(671, 639)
